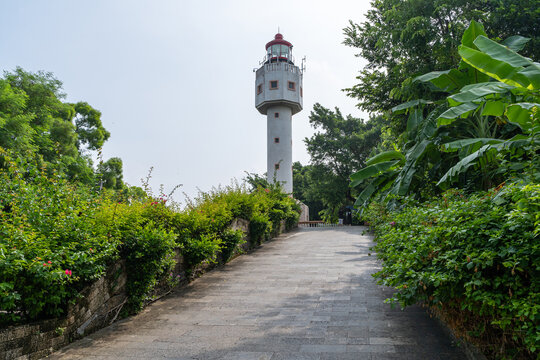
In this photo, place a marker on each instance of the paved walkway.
(305, 295)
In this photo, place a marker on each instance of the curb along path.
(305, 295)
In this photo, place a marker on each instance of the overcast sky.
(174, 79)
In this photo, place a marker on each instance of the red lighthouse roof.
(278, 39)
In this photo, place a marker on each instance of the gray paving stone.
(307, 295)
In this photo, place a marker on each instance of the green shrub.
(149, 254)
(259, 228)
(476, 257)
(231, 239)
(57, 237)
(50, 247)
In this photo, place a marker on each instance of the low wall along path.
(305, 295)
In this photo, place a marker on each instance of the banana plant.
(512, 95)
(493, 85)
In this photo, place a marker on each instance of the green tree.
(302, 183)
(479, 136)
(402, 39)
(339, 147)
(111, 173)
(16, 131)
(34, 118)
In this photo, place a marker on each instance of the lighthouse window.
(284, 51)
(292, 85)
(276, 166)
(276, 115)
(275, 50)
(259, 89)
(276, 140)
(273, 85)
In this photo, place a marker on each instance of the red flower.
(50, 262)
(44, 264)
(68, 272)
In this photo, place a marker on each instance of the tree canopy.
(36, 121)
(339, 147)
(402, 39)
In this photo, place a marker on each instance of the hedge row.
(473, 259)
(57, 237)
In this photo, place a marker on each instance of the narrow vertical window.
(276, 115)
(274, 85)
(276, 166)
(276, 140)
(301, 92)
(259, 89)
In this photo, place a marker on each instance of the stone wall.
(98, 307)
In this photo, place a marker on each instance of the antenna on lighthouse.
(303, 66)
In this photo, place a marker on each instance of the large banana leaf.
(500, 70)
(522, 114)
(515, 43)
(409, 104)
(414, 155)
(475, 91)
(447, 80)
(474, 30)
(494, 108)
(415, 118)
(486, 154)
(371, 171)
(459, 144)
(385, 156)
(450, 115)
(464, 164)
(501, 52)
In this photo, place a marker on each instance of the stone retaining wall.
(98, 306)
(94, 310)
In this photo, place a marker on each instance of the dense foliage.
(474, 258)
(402, 39)
(484, 132)
(58, 236)
(470, 253)
(34, 120)
(340, 145)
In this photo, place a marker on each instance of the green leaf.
(385, 156)
(522, 114)
(501, 52)
(446, 80)
(494, 68)
(450, 115)
(475, 91)
(532, 73)
(493, 108)
(415, 118)
(459, 144)
(414, 155)
(409, 104)
(372, 170)
(474, 30)
(516, 42)
(364, 195)
(464, 164)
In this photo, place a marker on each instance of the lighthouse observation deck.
(278, 83)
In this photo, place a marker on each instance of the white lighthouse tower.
(278, 95)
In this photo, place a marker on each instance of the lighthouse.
(278, 95)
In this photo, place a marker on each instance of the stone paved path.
(305, 295)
